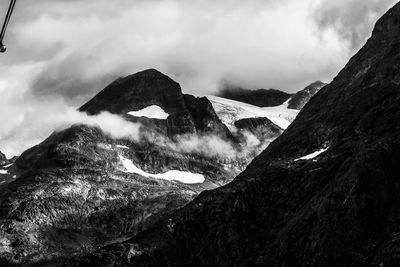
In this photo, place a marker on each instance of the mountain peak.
(390, 22)
(137, 91)
(149, 72)
(3, 158)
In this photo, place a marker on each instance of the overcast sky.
(61, 52)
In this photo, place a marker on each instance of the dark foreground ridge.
(341, 208)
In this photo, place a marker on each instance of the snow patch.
(124, 147)
(181, 176)
(151, 112)
(7, 166)
(230, 111)
(312, 155)
(3, 172)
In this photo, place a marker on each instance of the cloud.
(353, 20)
(27, 122)
(60, 53)
(198, 43)
(35, 127)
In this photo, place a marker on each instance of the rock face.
(204, 117)
(137, 91)
(337, 207)
(301, 98)
(3, 159)
(262, 128)
(260, 97)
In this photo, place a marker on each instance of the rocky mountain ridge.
(325, 193)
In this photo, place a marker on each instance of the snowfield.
(181, 176)
(151, 112)
(312, 155)
(230, 111)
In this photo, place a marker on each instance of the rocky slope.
(301, 98)
(260, 97)
(325, 193)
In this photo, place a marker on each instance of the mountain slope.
(259, 97)
(301, 98)
(325, 193)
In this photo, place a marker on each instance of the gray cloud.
(352, 19)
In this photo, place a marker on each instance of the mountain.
(325, 193)
(300, 99)
(152, 88)
(83, 188)
(259, 97)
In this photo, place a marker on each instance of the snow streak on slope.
(123, 147)
(312, 155)
(181, 176)
(230, 111)
(151, 112)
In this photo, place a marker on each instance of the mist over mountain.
(325, 193)
(143, 150)
(130, 156)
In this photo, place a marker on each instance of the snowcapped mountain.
(82, 187)
(325, 193)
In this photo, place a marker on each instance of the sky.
(62, 52)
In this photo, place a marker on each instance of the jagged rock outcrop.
(258, 131)
(296, 207)
(204, 117)
(3, 159)
(301, 98)
(259, 97)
